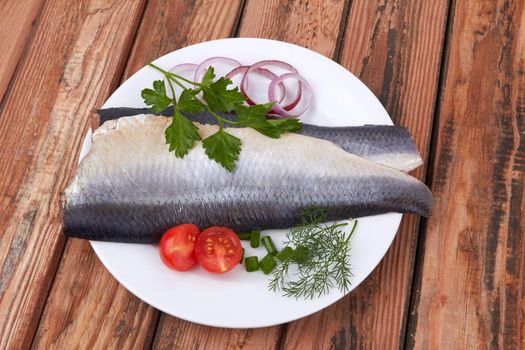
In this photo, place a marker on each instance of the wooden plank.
(395, 48)
(169, 26)
(175, 333)
(313, 24)
(70, 67)
(87, 307)
(91, 310)
(470, 290)
(18, 18)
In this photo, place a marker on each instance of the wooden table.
(451, 71)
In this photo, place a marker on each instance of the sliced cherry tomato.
(177, 247)
(218, 249)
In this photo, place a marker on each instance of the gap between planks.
(420, 238)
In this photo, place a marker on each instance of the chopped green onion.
(255, 237)
(252, 263)
(285, 254)
(268, 244)
(244, 236)
(267, 264)
(242, 256)
(300, 254)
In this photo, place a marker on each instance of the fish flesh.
(384, 144)
(130, 188)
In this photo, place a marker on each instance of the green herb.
(319, 252)
(222, 147)
(181, 134)
(156, 98)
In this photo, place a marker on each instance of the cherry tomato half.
(177, 247)
(218, 249)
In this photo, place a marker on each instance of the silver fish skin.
(130, 188)
(384, 144)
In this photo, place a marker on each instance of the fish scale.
(130, 188)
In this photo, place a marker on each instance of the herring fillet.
(129, 188)
(384, 144)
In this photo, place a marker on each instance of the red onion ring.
(199, 72)
(183, 67)
(278, 109)
(177, 69)
(280, 64)
(256, 68)
(260, 71)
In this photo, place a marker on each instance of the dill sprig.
(320, 252)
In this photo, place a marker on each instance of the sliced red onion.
(260, 71)
(235, 71)
(296, 100)
(280, 64)
(201, 69)
(179, 68)
(183, 67)
(278, 109)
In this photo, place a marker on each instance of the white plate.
(239, 299)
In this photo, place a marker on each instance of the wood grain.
(175, 333)
(169, 26)
(395, 47)
(297, 22)
(470, 290)
(18, 18)
(312, 24)
(97, 314)
(87, 307)
(70, 67)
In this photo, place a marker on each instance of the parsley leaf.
(252, 114)
(221, 99)
(208, 77)
(189, 103)
(255, 118)
(287, 124)
(223, 148)
(181, 134)
(156, 98)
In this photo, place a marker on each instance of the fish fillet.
(384, 144)
(129, 188)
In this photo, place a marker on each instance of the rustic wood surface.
(451, 71)
(76, 54)
(470, 284)
(395, 48)
(18, 18)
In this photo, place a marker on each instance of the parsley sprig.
(217, 97)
